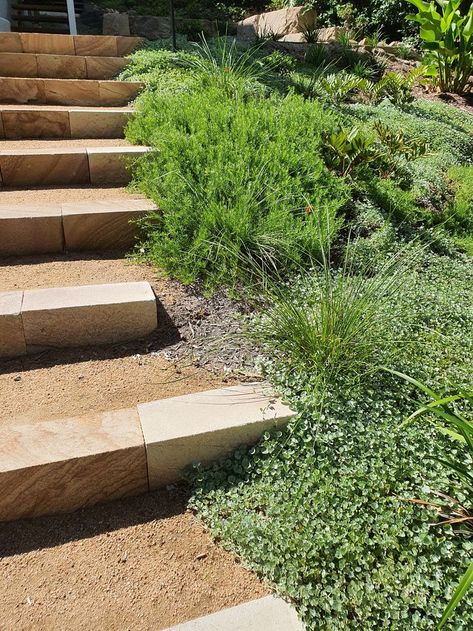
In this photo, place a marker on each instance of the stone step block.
(62, 465)
(73, 226)
(264, 614)
(60, 66)
(59, 466)
(85, 92)
(103, 225)
(87, 315)
(205, 426)
(12, 339)
(58, 44)
(27, 229)
(29, 121)
(66, 166)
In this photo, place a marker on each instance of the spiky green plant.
(442, 410)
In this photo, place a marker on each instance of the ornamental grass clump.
(334, 321)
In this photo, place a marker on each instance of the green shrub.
(235, 177)
(320, 511)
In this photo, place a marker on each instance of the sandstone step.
(75, 226)
(204, 426)
(68, 165)
(60, 66)
(264, 614)
(62, 121)
(57, 466)
(88, 92)
(40, 319)
(58, 44)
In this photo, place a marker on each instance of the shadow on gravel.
(26, 535)
(166, 335)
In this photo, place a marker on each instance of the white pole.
(71, 16)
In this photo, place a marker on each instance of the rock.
(327, 34)
(151, 27)
(294, 38)
(276, 23)
(363, 42)
(116, 24)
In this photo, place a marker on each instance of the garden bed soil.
(139, 564)
(197, 346)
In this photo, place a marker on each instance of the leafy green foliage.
(320, 510)
(453, 423)
(348, 150)
(233, 177)
(447, 37)
(338, 86)
(393, 86)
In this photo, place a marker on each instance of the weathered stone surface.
(126, 45)
(276, 23)
(103, 225)
(61, 67)
(110, 165)
(27, 229)
(36, 123)
(327, 34)
(264, 614)
(41, 167)
(97, 45)
(87, 315)
(294, 38)
(104, 67)
(98, 122)
(21, 90)
(15, 65)
(47, 43)
(116, 24)
(204, 426)
(71, 92)
(149, 26)
(113, 93)
(12, 339)
(10, 43)
(63, 465)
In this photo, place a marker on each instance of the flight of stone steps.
(62, 117)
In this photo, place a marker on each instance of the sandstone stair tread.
(86, 92)
(75, 316)
(98, 225)
(67, 163)
(55, 43)
(48, 65)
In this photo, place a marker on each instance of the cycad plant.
(444, 413)
(447, 35)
